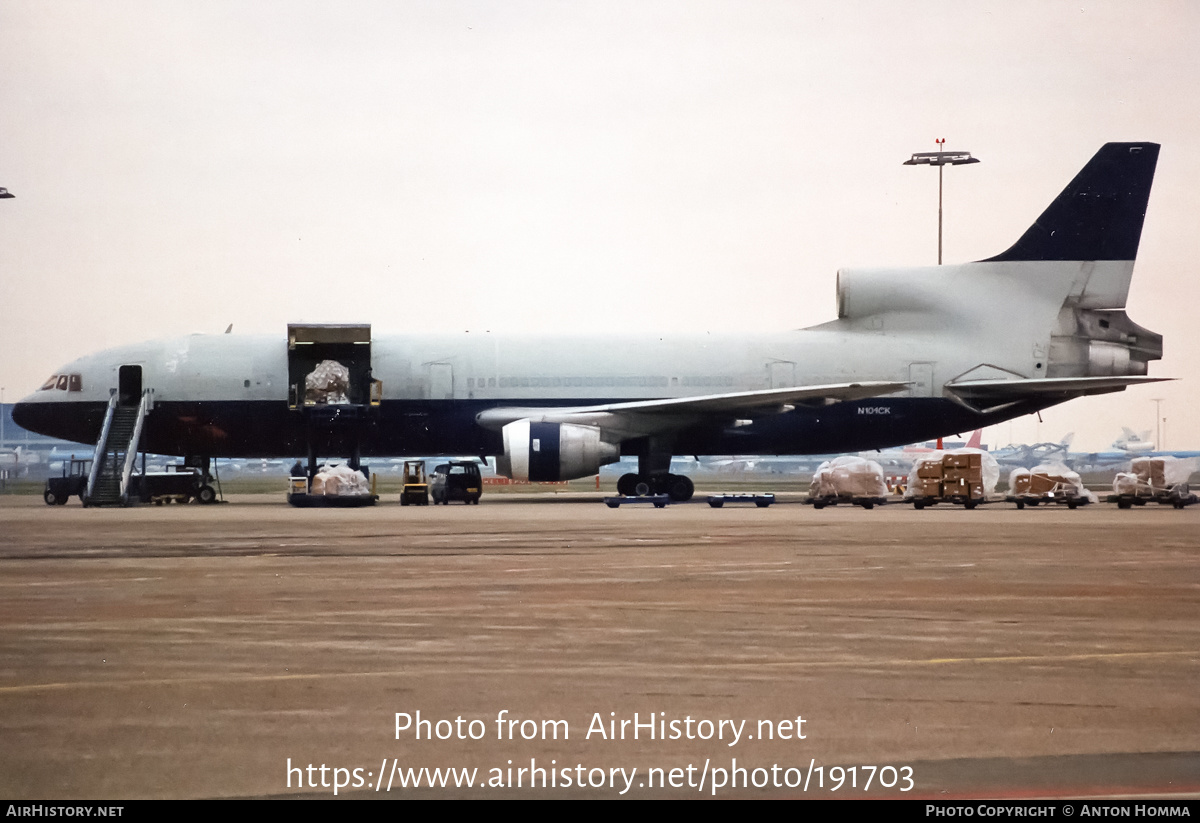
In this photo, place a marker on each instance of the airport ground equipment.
(1161, 480)
(181, 485)
(339, 487)
(1046, 487)
(760, 500)
(72, 482)
(953, 477)
(848, 480)
(1178, 496)
(659, 501)
(456, 480)
(332, 390)
(415, 491)
(822, 501)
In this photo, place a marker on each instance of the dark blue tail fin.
(1099, 214)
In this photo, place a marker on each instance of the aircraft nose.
(24, 415)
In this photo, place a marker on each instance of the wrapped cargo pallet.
(1052, 477)
(853, 477)
(339, 480)
(1018, 481)
(327, 384)
(958, 473)
(1125, 483)
(1156, 474)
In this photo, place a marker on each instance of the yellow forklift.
(416, 486)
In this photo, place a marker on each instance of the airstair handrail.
(98, 454)
(131, 448)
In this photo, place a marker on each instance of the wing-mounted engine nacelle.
(546, 452)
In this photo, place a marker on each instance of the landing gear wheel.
(626, 484)
(680, 488)
(206, 494)
(642, 488)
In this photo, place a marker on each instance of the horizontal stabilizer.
(766, 401)
(1012, 390)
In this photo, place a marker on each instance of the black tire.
(867, 505)
(53, 499)
(1020, 504)
(680, 488)
(206, 494)
(641, 489)
(1123, 504)
(626, 484)
(918, 505)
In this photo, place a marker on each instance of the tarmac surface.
(235, 650)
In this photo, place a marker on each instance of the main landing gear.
(653, 475)
(676, 486)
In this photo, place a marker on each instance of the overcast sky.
(564, 166)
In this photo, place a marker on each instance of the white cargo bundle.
(339, 480)
(327, 384)
(848, 477)
(1125, 483)
(1069, 478)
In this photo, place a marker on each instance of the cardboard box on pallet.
(1151, 470)
(1019, 481)
(970, 460)
(929, 470)
(927, 487)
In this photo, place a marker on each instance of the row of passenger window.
(595, 382)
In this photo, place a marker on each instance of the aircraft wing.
(1010, 390)
(641, 417)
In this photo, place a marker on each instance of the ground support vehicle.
(659, 501)
(73, 482)
(456, 480)
(300, 497)
(415, 491)
(181, 485)
(760, 500)
(1178, 496)
(969, 501)
(1062, 493)
(821, 501)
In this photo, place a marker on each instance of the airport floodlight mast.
(1158, 423)
(940, 158)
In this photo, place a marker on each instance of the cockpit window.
(63, 382)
